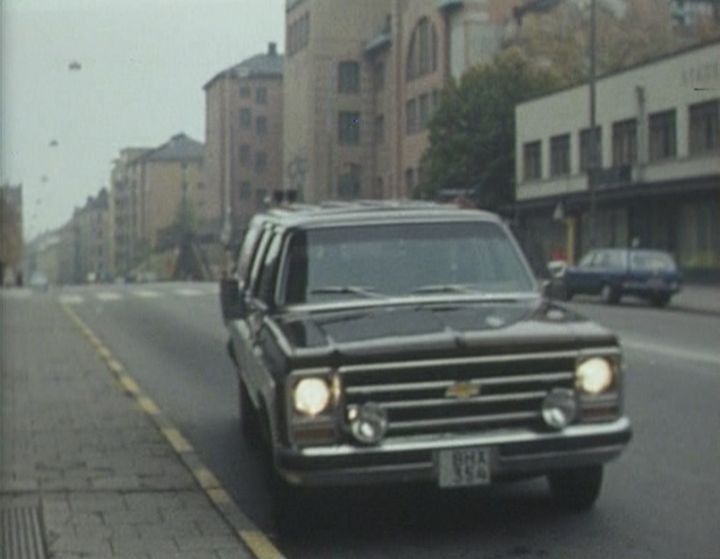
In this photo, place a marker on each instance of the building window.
(260, 161)
(245, 118)
(409, 180)
(435, 99)
(663, 133)
(261, 95)
(379, 76)
(424, 112)
(585, 148)
(349, 182)
(379, 132)
(705, 127)
(560, 155)
(244, 154)
(261, 125)
(349, 128)
(422, 54)
(298, 34)
(379, 189)
(349, 77)
(532, 161)
(411, 116)
(625, 142)
(245, 92)
(245, 190)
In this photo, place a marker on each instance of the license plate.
(464, 467)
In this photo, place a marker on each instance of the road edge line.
(254, 539)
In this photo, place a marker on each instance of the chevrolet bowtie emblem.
(463, 390)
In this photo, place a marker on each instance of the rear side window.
(257, 258)
(268, 273)
(246, 252)
(652, 262)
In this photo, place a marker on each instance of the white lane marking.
(189, 292)
(15, 293)
(108, 296)
(145, 294)
(677, 353)
(71, 299)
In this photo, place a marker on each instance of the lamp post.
(592, 142)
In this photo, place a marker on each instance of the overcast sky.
(144, 63)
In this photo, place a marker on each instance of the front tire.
(576, 490)
(660, 301)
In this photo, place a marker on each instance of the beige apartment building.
(244, 132)
(123, 209)
(91, 244)
(362, 80)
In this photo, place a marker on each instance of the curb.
(249, 534)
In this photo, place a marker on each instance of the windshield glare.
(403, 259)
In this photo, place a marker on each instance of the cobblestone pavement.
(105, 481)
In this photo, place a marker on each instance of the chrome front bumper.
(516, 453)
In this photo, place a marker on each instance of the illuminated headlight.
(594, 376)
(311, 396)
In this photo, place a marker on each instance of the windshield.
(403, 259)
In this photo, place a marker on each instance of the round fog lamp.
(559, 408)
(369, 424)
(594, 376)
(312, 396)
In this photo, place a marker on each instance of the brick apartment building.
(244, 135)
(362, 80)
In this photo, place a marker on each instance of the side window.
(264, 287)
(246, 252)
(257, 259)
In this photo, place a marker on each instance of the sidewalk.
(81, 466)
(698, 298)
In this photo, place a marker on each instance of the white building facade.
(658, 128)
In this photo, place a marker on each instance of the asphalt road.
(660, 499)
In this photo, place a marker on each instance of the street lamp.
(593, 144)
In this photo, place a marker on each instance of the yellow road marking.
(206, 479)
(255, 540)
(148, 405)
(178, 442)
(260, 545)
(219, 496)
(115, 366)
(129, 384)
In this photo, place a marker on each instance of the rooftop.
(179, 148)
(341, 213)
(269, 64)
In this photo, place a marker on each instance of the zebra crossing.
(146, 294)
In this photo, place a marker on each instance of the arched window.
(423, 51)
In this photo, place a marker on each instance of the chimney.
(272, 49)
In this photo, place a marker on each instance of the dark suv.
(384, 343)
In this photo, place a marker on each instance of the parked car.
(411, 343)
(613, 273)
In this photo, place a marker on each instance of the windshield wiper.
(444, 288)
(345, 290)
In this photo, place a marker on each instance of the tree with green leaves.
(472, 133)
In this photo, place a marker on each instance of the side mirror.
(232, 300)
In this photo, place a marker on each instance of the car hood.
(439, 329)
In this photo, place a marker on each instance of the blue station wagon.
(613, 273)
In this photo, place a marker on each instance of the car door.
(241, 330)
(260, 302)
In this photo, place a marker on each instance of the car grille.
(416, 397)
